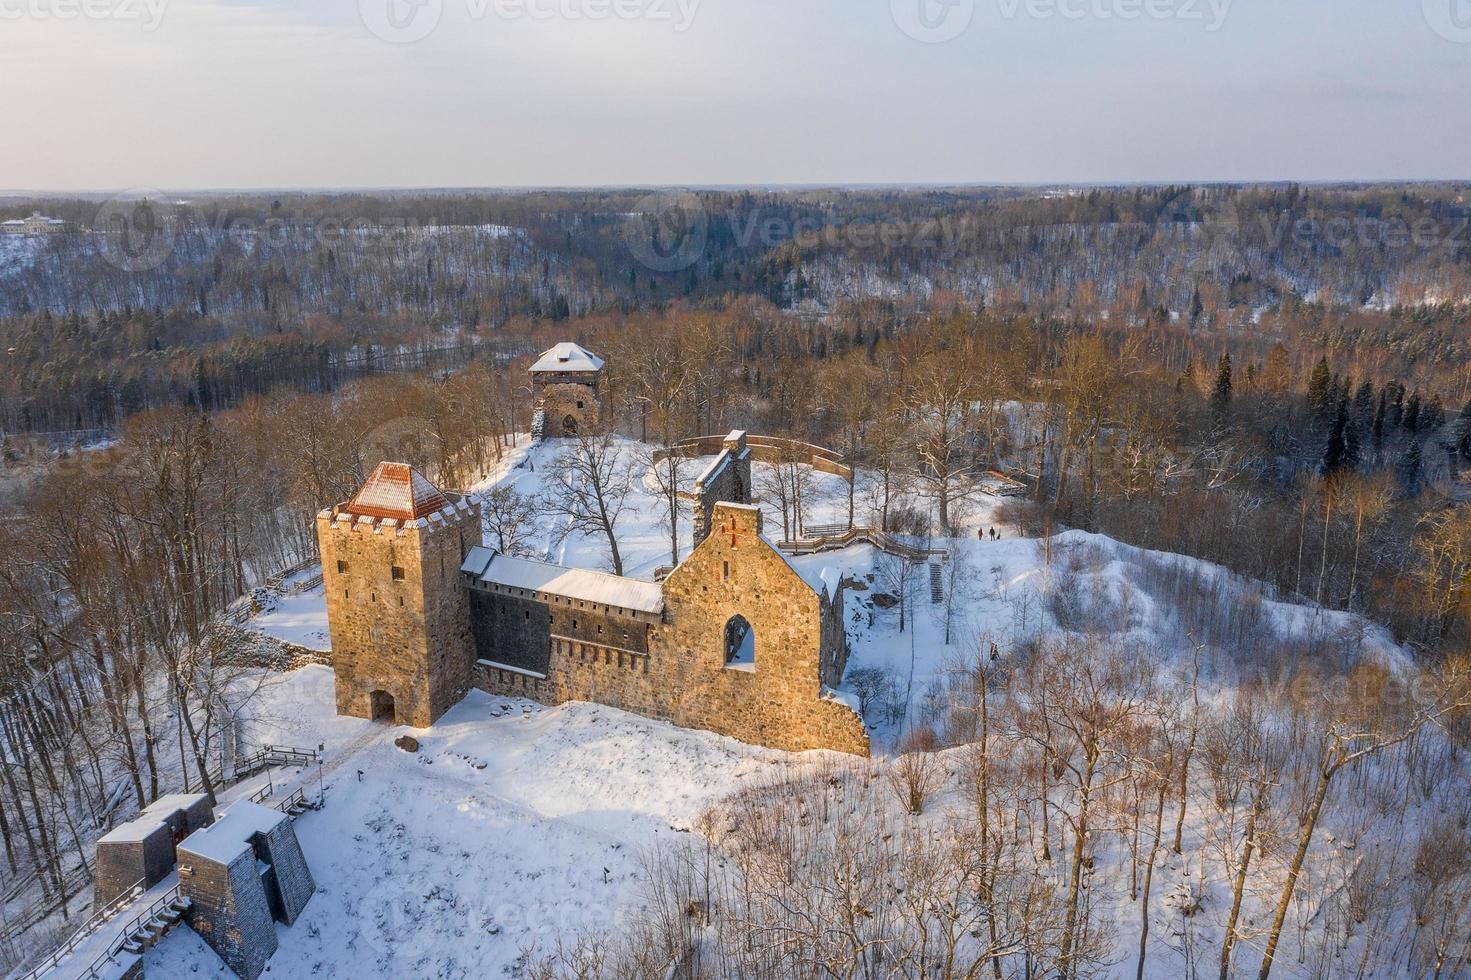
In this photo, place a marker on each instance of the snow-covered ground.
(996, 590)
(512, 824)
(516, 824)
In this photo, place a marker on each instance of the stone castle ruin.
(735, 640)
(566, 382)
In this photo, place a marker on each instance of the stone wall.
(681, 675)
(242, 876)
(561, 400)
(121, 864)
(399, 616)
(771, 449)
(244, 647)
(143, 848)
(289, 885)
(726, 480)
(230, 910)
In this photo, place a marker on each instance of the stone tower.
(566, 382)
(400, 622)
(727, 480)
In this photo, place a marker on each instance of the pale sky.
(187, 94)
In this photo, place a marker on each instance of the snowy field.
(513, 823)
(516, 824)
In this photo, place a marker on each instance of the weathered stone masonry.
(726, 480)
(672, 664)
(241, 876)
(400, 621)
(419, 612)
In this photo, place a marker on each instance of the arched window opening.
(740, 644)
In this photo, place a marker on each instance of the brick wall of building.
(291, 884)
(404, 633)
(230, 910)
(143, 849)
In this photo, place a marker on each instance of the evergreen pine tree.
(1432, 416)
(1411, 469)
(1318, 385)
(1379, 417)
(1411, 420)
(1363, 413)
(1353, 450)
(1221, 396)
(1335, 455)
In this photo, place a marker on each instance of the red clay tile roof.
(398, 491)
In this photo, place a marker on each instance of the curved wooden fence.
(767, 449)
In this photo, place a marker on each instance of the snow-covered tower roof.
(398, 491)
(568, 359)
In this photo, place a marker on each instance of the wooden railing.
(881, 540)
(89, 929)
(72, 884)
(155, 908)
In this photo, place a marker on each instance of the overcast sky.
(180, 94)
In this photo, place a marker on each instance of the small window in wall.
(726, 570)
(579, 404)
(342, 568)
(398, 573)
(740, 644)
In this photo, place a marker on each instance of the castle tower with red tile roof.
(400, 622)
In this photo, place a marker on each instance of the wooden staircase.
(160, 920)
(937, 584)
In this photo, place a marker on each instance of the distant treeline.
(254, 292)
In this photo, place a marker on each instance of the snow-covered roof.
(477, 561)
(567, 358)
(716, 467)
(150, 819)
(573, 583)
(230, 835)
(397, 491)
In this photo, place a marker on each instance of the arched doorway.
(740, 644)
(569, 426)
(382, 707)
